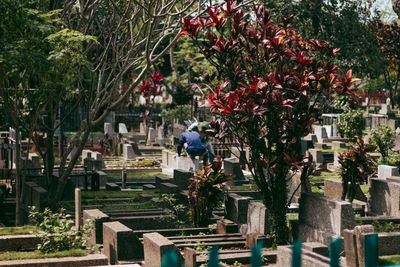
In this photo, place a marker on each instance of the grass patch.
(317, 190)
(387, 261)
(244, 188)
(148, 175)
(39, 255)
(21, 230)
(325, 175)
(108, 194)
(139, 206)
(333, 150)
(364, 188)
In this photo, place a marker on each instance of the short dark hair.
(195, 129)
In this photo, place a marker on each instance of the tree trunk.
(277, 209)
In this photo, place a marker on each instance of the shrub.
(357, 165)
(56, 231)
(204, 192)
(351, 123)
(383, 139)
(177, 215)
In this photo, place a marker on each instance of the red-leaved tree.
(276, 85)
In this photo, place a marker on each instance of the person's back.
(194, 145)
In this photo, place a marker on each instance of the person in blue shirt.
(194, 145)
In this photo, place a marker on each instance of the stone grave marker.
(333, 188)
(385, 171)
(122, 128)
(236, 208)
(155, 247)
(338, 144)
(321, 133)
(96, 230)
(120, 243)
(232, 167)
(127, 152)
(185, 163)
(317, 155)
(151, 136)
(182, 178)
(257, 219)
(108, 129)
(384, 197)
(322, 218)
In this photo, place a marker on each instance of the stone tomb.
(257, 219)
(182, 178)
(232, 167)
(385, 171)
(384, 197)
(127, 152)
(334, 189)
(321, 133)
(96, 231)
(155, 246)
(120, 243)
(236, 208)
(322, 218)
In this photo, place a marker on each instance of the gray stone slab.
(155, 247)
(120, 243)
(96, 231)
(257, 219)
(385, 171)
(182, 178)
(384, 197)
(317, 155)
(127, 152)
(232, 167)
(308, 258)
(388, 244)
(236, 208)
(168, 188)
(322, 217)
(334, 189)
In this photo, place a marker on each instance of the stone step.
(242, 256)
(221, 244)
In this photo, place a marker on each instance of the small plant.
(383, 139)
(385, 227)
(56, 231)
(177, 213)
(357, 166)
(204, 192)
(351, 123)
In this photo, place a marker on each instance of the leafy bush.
(56, 231)
(357, 165)
(392, 159)
(383, 138)
(178, 213)
(385, 227)
(204, 192)
(351, 123)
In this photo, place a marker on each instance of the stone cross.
(78, 207)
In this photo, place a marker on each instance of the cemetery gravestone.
(182, 178)
(385, 171)
(96, 230)
(155, 247)
(384, 197)
(321, 133)
(127, 152)
(321, 218)
(232, 167)
(120, 243)
(122, 128)
(78, 209)
(236, 208)
(108, 129)
(257, 219)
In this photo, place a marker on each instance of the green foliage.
(351, 123)
(56, 231)
(179, 112)
(37, 254)
(383, 139)
(389, 261)
(392, 159)
(177, 213)
(357, 166)
(204, 192)
(385, 227)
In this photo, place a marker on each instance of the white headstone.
(321, 133)
(142, 128)
(108, 129)
(388, 101)
(86, 154)
(127, 152)
(386, 171)
(122, 128)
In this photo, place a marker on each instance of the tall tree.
(276, 85)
